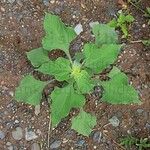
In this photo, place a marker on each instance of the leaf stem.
(51, 81)
(69, 56)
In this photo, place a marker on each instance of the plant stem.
(138, 41)
(69, 56)
(51, 81)
(49, 131)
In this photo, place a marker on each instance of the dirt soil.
(21, 30)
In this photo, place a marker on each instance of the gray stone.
(30, 135)
(114, 121)
(2, 135)
(97, 136)
(35, 146)
(10, 147)
(8, 144)
(55, 144)
(140, 111)
(46, 2)
(147, 126)
(80, 143)
(11, 1)
(37, 110)
(78, 28)
(17, 134)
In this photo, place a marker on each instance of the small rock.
(2, 9)
(17, 134)
(35, 146)
(8, 144)
(55, 144)
(30, 135)
(93, 23)
(80, 143)
(78, 29)
(114, 121)
(11, 93)
(147, 126)
(2, 135)
(97, 136)
(10, 147)
(11, 1)
(46, 2)
(140, 111)
(16, 121)
(37, 110)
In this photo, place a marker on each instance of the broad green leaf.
(38, 56)
(83, 123)
(58, 36)
(104, 34)
(98, 59)
(117, 90)
(30, 90)
(84, 82)
(59, 68)
(63, 99)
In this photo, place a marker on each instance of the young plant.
(77, 74)
(122, 22)
(143, 144)
(131, 141)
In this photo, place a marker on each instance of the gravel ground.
(23, 127)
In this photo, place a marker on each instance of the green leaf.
(79, 56)
(83, 123)
(117, 90)
(146, 42)
(30, 90)
(98, 59)
(113, 23)
(59, 68)
(38, 56)
(124, 29)
(129, 18)
(121, 19)
(58, 36)
(104, 34)
(63, 99)
(84, 82)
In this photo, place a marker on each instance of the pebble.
(11, 1)
(10, 147)
(147, 126)
(97, 136)
(80, 143)
(93, 23)
(2, 135)
(46, 2)
(37, 110)
(30, 135)
(140, 111)
(55, 144)
(78, 28)
(35, 146)
(17, 134)
(114, 121)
